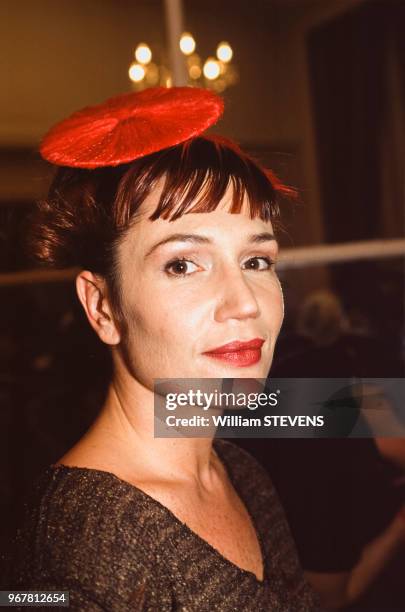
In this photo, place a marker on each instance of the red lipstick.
(239, 354)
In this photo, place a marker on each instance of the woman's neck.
(122, 436)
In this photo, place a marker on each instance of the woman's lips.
(239, 354)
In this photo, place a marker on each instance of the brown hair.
(88, 211)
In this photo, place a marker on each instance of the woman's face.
(194, 285)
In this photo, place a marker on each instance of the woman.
(175, 244)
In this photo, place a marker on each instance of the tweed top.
(115, 548)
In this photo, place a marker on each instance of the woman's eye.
(258, 263)
(180, 267)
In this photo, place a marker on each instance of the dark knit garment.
(116, 548)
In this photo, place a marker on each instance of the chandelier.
(215, 72)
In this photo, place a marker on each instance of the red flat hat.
(130, 126)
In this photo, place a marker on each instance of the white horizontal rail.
(300, 257)
(303, 257)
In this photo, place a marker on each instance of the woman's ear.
(92, 292)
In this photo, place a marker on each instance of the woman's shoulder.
(85, 522)
(87, 496)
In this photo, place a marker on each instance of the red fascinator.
(130, 126)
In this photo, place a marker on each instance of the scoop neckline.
(191, 532)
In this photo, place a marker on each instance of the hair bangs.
(196, 175)
(203, 169)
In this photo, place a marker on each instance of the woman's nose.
(237, 299)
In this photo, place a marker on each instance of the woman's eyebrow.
(196, 238)
(262, 237)
(199, 239)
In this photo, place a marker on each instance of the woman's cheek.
(272, 296)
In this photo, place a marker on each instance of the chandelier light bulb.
(224, 52)
(136, 72)
(187, 43)
(211, 69)
(143, 54)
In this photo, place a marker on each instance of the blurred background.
(315, 89)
